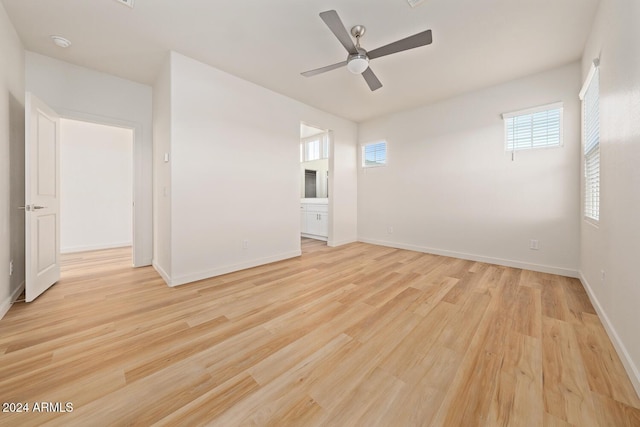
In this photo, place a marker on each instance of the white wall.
(96, 186)
(450, 188)
(162, 171)
(613, 246)
(343, 182)
(234, 172)
(11, 162)
(83, 94)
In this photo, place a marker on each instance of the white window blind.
(534, 128)
(590, 96)
(374, 154)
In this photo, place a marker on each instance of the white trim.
(207, 274)
(552, 106)
(333, 244)
(561, 271)
(592, 71)
(166, 277)
(8, 302)
(314, 236)
(74, 249)
(632, 370)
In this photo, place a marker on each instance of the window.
(533, 128)
(374, 154)
(314, 148)
(590, 96)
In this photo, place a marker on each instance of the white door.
(42, 198)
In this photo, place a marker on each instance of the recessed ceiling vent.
(126, 3)
(414, 3)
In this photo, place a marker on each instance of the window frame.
(363, 148)
(591, 151)
(530, 112)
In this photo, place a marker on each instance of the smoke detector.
(61, 41)
(126, 3)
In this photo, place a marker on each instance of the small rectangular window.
(314, 148)
(374, 154)
(590, 96)
(533, 128)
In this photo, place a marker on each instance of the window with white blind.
(374, 154)
(590, 96)
(533, 128)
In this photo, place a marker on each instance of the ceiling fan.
(358, 59)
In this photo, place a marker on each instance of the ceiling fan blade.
(421, 39)
(331, 18)
(324, 69)
(371, 79)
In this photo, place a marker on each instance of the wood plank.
(354, 335)
(517, 399)
(566, 389)
(602, 365)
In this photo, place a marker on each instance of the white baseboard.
(193, 277)
(473, 257)
(6, 304)
(313, 236)
(162, 273)
(335, 243)
(144, 263)
(74, 249)
(623, 354)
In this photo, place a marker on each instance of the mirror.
(315, 179)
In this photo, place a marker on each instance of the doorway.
(96, 186)
(314, 183)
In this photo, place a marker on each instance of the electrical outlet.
(11, 268)
(534, 245)
(245, 244)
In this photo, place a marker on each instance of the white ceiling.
(477, 43)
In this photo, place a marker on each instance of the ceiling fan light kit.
(357, 63)
(358, 59)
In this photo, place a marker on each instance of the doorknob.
(31, 207)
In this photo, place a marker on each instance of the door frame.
(330, 181)
(139, 190)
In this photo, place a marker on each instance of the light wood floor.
(356, 335)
